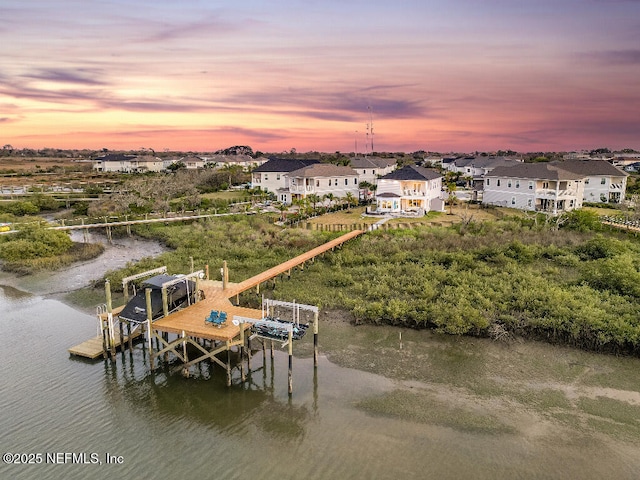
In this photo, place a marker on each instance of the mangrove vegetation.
(563, 282)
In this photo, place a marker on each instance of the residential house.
(603, 182)
(192, 162)
(633, 167)
(321, 179)
(369, 169)
(534, 186)
(272, 176)
(247, 162)
(410, 189)
(127, 163)
(476, 167)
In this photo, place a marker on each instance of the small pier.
(190, 331)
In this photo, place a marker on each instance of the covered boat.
(179, 294)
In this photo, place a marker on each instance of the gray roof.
(545, 171)
(324, 170)
(372, 162)
(284, 165)
(591, 168)
(485, 162)
(412, 172)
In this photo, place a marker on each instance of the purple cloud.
(79, 76)
(614, 57)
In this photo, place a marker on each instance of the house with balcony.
(273, 176)
(370, 169)
(410, 190)
(603, 182)
(543, 187)
(321, 179)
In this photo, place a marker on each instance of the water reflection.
(204, 399)
(12, 293)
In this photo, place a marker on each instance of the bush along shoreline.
(501, 279)
(35, 248)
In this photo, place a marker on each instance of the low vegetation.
(34, 248)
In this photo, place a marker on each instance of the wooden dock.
(286, 267)
(94, 348)
(189, 328)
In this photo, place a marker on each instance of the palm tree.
(451, 191)
(350, 199)
(329, 196)
(364, 186)
(314, 199)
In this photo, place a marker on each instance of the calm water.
(377, 407)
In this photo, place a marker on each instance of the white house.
(410, 189)
(126, 163)
(476, 167)
(534, 186)
(603, 182)
(245, 161)
(369, 169)
(272, 176)
(321, 179)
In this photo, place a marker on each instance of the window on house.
(530, 185)
(317, 183)
(513, 200)
(603, 181)
(529, 203)
(488, 181)
(571, 203)
(545, 184)
(586, 182)
(329, 182)
(364, 172)
(373, 172)
(355, 181)
(266, 177)
(346, 181)
(498, 182)
(509, 184)
(517, 183)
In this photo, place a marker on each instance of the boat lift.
(271, 327)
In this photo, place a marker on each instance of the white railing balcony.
(413, 193)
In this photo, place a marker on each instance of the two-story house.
(369, 169)
(321, 179)
(603, 182)
(272, 176)
(410, 189)
(534, 186)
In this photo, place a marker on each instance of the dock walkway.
(188, 323)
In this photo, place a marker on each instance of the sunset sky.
(201, 75)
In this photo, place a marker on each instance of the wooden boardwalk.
(286, 267)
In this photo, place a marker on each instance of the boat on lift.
(179, 294)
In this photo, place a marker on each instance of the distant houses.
(554, 187)
(131, 163)
(125, 163)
